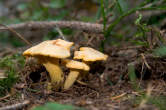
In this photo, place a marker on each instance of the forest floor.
(132, 78)
(110, 85)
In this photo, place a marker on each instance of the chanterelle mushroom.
(88, 54)
(76, 68)
(48, 53)
(63, 43)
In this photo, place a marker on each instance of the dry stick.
(2, 98)
(148, 93)
(101, 19)
(17, 34)
(83, 26)
(60, 33)
(16, 106)
(144, 59)
(119, 96)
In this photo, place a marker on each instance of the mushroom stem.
(55, 73)
(71, 79)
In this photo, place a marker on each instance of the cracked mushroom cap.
(77, 65)
(89, 54)
(48, 48)
(63, 43)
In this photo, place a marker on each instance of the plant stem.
(112, 26)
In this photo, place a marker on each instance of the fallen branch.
(83, 26)
(16, 106)
(16, 33)
(2, 98)
(119, 96)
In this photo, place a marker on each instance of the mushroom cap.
(89, 54)
(63, 43)
(49, 49)
(77, 65)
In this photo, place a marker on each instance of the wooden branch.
(82, 26)
(16, 33)
(16, 106)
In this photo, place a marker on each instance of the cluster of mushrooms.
(48, 53)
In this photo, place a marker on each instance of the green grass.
(160, 51)
(121, 10)
(157, 101)
(124, 12)
(132, 75)
(11, 64)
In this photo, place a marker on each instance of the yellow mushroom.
(89, 55)
(48, 53)
(76, 68)
(63, 43)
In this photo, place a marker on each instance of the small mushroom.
(76, 68)
(89, 55)
(48, 53)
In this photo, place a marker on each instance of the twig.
(2, 98)
(148, 94)
(119, 96)
(16, 33)
(60, 33)
(16, 106)
(144, 59)
(101, 19)
(90, 40)
(82, 83)
(83, 26)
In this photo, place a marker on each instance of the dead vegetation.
(132, 78)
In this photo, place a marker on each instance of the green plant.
(158, 101)
(131, 11)
(42, 12)
(56, 106)
(141, 33)
(132, 76)
(146, 5)
(11, 64)
(160, 51)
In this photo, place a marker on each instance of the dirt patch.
(108, 86)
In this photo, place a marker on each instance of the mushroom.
(76, 68)
(89, 55)
(48, 53)
(63, 43)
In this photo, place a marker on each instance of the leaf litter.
(108, 84)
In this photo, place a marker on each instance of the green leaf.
(138, 20)
(132, 76)
(118, 3)
(22, 6)
(56, 106)
(124, 5)
(57, 3)
(103, 15)
(11, 65)
(161, 51)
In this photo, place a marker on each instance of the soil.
(108, 86)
